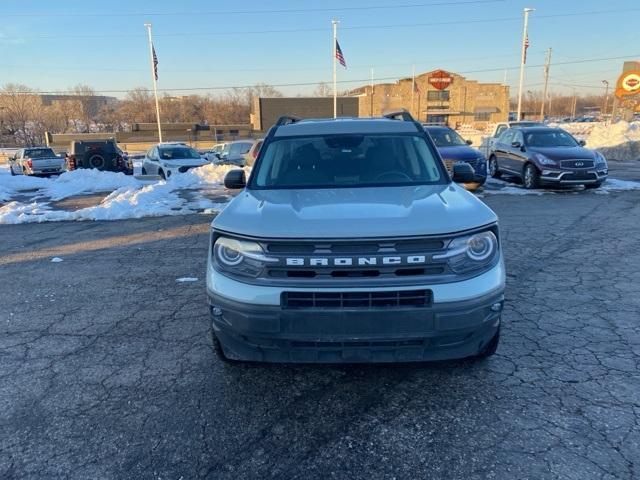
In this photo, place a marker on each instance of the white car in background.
(167, 159)
(214, 153)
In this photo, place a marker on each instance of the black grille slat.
(390, 299)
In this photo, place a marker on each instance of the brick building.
(461, 101)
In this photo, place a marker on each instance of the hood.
(563, 153)
(185, 162)
(354, 212)
(459, 152)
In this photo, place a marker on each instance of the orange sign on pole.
(628, 84)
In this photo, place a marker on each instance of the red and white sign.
(440, 80)
(628, 84)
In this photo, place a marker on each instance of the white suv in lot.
(166, 159)
(350, 242)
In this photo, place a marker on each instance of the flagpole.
(523, 60)
(155, 83)
(335, 71)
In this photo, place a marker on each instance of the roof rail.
(287, 120)
(401, 114)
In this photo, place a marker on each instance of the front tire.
(144, 171)
(162, 175)
(494, 171)
(531, 177)
(13, 174)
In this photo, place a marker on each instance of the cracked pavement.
(107, 368)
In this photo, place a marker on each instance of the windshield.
(549, 138)
(178, 153)
(348, 161)
(39, 153)
(443, 137)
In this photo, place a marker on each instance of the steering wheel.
(393, 175)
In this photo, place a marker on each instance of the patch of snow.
(130, 198)
(186, 279)
(56, 260)
(615, 134)
(515, 191)
(83, 181)
(616, 185)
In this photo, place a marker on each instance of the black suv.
(546, 156)
(99, 154)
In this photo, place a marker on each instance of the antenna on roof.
(402, 114)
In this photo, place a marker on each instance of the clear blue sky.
(52, 45)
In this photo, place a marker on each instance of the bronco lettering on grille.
(359, 261)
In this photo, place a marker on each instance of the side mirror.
(582, 143)
(469, 142)
(516, 144)
(235, 180)
(463, 173)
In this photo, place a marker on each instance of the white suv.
(166, 159)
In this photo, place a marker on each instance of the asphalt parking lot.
(107, 368)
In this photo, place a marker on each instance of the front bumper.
(573, 177)
(462, 318)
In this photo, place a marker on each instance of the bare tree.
(19, 106)
(323, 90)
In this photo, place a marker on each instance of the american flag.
(339, 55)
(155, 62)
(526, 46)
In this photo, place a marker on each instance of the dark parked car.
(546, 156)
(453, 148)
(234, 153)
(99, 154)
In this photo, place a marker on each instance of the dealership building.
(436, 97)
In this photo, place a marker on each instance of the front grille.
(354, 260)
(576, 163)
(402, 298)
(449, 163)
(579, 176)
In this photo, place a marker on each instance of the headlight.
(544, 160)
(239, 257)
(600, 160)
(473, 252)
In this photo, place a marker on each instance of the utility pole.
(155, 80)
(335, 72)
(413, 88)
(547, 64)
(372, 87)
(575, 103)
(523, 59)
(606, 99)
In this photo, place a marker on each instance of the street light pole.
(547, 65)
(523, 59)
(606, 98)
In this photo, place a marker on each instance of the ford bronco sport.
(350, 243)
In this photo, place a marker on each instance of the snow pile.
(197, 177)
(614, 134)
(618, 141)
(130, 198)
(83, 181)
